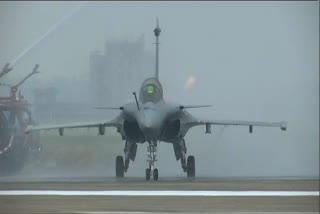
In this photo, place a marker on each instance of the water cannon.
(14, 88)
(34, 71)
(6, 69)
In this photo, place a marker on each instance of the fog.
(250, 60)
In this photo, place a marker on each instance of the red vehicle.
(15, 116)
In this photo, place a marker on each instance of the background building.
(119, 71)
(111, 79)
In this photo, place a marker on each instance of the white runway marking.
(157, 193)
(128, 212)
(109, 212)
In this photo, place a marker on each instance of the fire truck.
(15, 116)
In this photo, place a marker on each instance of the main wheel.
(119, 167)
(191, 167)
(148, 174)
(155, 174)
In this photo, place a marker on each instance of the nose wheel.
(152, 158)
(148, 174)
(155, 174)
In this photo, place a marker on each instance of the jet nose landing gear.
(148, 174)
(155, 174)
(152, 158)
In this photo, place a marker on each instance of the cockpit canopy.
(150, 91)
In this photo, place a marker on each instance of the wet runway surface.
(90, 203)
(170, 183)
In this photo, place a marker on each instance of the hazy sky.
(251, 61)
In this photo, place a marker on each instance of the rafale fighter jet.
(150, 119)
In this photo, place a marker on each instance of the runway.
(168, 195)
(156, 193)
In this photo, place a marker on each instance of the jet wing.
(112, 123)
(250, 124)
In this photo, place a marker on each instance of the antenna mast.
(157, 31)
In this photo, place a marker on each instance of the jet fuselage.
(151, 118)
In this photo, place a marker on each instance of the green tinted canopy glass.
(150, 93)
(150, 89)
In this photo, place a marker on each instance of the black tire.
(191, 167)
(148, 174)
(119, 167)
(155, 174)
(13, 160)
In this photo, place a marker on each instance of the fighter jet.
(151, 119)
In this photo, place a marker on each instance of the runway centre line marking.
(156, 193)
(106, 212)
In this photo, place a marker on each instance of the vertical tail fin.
(157, 31)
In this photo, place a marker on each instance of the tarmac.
(93, 195)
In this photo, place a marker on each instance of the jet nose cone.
(149, 130)
(150, 126)
(147, 124)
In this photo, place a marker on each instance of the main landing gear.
(152, 157)
(191, 167)
(122, 166)
(119, 167)
(187, 164)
